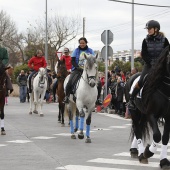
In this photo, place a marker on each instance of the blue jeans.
(23, 93)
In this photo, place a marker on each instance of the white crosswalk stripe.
(80, 167)
(122, 162)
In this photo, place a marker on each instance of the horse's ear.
(85, 56)
(96, 55)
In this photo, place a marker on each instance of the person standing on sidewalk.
(22, 82)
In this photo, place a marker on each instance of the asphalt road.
(40, 143)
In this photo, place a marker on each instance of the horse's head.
(91, 69)
(61, 69)
(42, 74)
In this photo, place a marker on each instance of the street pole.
(132, 54)
(84, 27)
(46, 38)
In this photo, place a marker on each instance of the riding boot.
(30, 90)
(67, 95)
(131, 104)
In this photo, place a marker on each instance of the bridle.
(89, 78)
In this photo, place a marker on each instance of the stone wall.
(16, 90)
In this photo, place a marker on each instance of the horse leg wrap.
(140, 146)
(77, 122)
(163, 153)
(88, 130)
(71, 127)
(2, 123)
(153, 147)
(81, 123)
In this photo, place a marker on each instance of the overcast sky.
(100, 15)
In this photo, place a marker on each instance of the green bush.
(17, 71)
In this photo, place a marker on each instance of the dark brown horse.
(62, 73)
(3, 77)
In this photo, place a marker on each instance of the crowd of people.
(152, 46)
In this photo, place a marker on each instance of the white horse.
(38, 91)
(86, 95)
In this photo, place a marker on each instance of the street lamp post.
(46, 38)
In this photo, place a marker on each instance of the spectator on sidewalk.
(22, 82)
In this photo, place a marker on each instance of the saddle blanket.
(133, 85)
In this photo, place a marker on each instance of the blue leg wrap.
(71, 126)
(77, 122)
(81, 123)
(88, 130)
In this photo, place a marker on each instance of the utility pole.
(46, 38)
(132, 55)
(83, 26)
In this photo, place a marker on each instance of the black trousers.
(74, 77)
(145, 70)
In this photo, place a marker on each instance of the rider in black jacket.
(152, 46)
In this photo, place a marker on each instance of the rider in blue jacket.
(77, 62)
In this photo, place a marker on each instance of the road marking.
(127, 154)
(19, 141)
(123, 162)
(1, 145)
(118, 127)
(101, 129)
(43, 137)
(80, 167)
(68, 134)
(114, 116)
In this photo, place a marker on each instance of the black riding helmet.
(152, 24)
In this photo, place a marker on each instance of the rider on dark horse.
(66, 56)
(77, 62)
(35, 63)
(152, 46)
(4, 58)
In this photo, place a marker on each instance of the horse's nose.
(92, 84)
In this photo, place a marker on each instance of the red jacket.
(67, 61)
(37, 62)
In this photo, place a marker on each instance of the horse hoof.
(41, 115)
(134, 152)
(30, 113)
(165, 164)
(62, 124)
(3, 132)
(81, 135)
(59, 121)
(76, 129)
(142, 159)
(73, 136)
(35, 111)
(147, 153)
(88, 140)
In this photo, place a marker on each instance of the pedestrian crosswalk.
(119, 161)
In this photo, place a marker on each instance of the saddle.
(139, 95)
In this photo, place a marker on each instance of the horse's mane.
(90, 61)
(156, 75)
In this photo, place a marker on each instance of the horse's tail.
(139, 119)
(71, 107)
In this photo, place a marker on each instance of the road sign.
(103, 52)
(110, 37)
